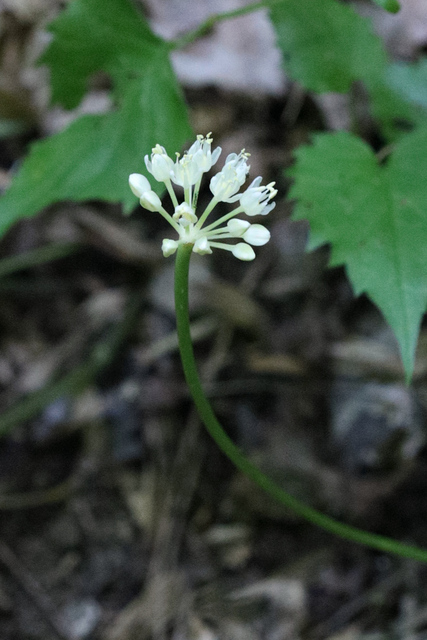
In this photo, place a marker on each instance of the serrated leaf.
(94, 156)
(94, 35)
(376, 220)
(326, 46)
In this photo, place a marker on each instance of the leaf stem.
(203, 28)
(391, 6)
(345, 531)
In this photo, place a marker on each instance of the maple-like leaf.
(327, 47)
(375, 218)
(94, 156)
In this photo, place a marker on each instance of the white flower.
(160, 165)
(228, 181)
(169, 247)
(138, 184)
(186, 171)
(202, 246)
(191, 229)
(201, 153)
(256, 235)
(237, 227)
(150, 201)
(255, 200)
(185, 212)
(141, 188)
(243, 252)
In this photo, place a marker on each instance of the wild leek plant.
(196, 234)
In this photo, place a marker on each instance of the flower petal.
(202, 246)
(169, 247)
(138, 184)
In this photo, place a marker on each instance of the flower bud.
(138, 184)
(257, 235)
(151, 201)
(243, 251)
(238, 227)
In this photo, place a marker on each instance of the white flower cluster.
(187, 172)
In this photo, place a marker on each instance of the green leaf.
(94, 156)
(326, 46)
(376, 220)
(392, 6)
(410, 81)
(94, 35)
(392, 110)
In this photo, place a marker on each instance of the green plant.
(372, 213)
(193, 237)
(339, 184)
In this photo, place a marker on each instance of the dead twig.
(34, 590)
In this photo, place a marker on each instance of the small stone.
(80, 618)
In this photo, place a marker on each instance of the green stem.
(202, 29)
(212, 204)
(392, 6)
(171, 193)
(238, 458)
(224, 218)
(169, 218)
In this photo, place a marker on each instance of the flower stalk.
(238, 458)
(187, 173)
(193, 237)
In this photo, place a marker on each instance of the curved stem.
(202, 29)
(373, 540)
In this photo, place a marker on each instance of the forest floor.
(119, 517)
